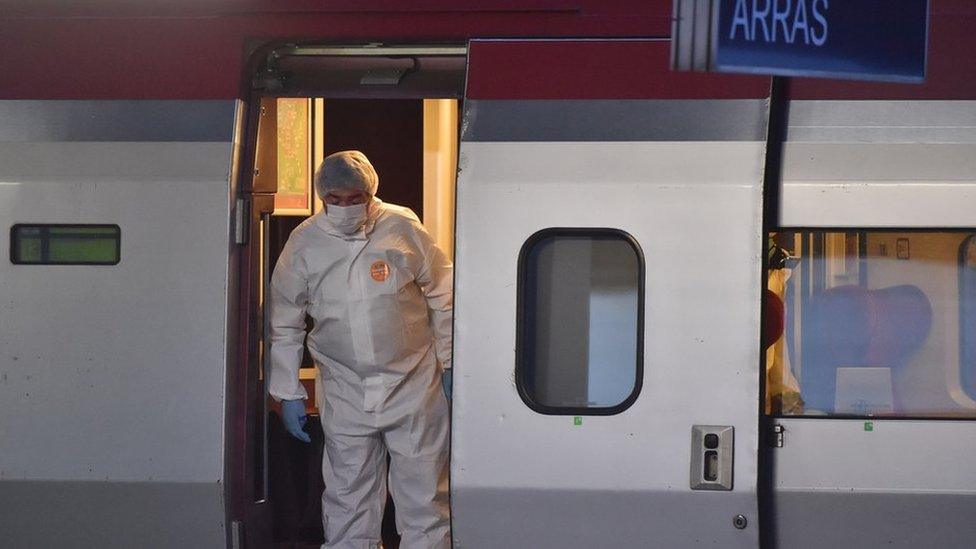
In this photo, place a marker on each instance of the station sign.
(856, 39)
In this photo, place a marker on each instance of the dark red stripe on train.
(177, 49)
(594, 69)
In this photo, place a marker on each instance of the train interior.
(876, 323)
(403, 114)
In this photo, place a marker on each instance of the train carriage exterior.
(691, 309)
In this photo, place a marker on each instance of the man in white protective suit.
(380, 294)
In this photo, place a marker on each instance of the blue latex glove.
(446, 380)
(294, 418)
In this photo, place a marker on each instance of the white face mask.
(347, 219)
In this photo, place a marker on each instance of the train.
(691, 308)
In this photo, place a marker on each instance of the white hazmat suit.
(381, 300)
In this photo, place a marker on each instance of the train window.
(877, 323)
(967, 315)
(580, 327)
(65, 244)
(294, 155)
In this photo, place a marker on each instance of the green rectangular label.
(65, 244)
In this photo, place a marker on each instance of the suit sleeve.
(436, 281)
(289, 302)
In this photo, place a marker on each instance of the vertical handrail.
(265, 349)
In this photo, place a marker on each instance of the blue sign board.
(862, 39)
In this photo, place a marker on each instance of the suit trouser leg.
(354, 470)
(419, 474)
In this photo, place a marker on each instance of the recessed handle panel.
(712, 448)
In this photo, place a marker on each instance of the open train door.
(608, 279)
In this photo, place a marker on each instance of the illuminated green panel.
(29, 250)
(65, 244)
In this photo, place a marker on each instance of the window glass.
(967, 315)
(65, 244)
(293, 157)
(876, 323)
(580, 321)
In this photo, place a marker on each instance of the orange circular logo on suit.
(380, 271)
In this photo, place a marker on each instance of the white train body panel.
(903, 165)
(693, 205)
(895, 164)
(112, 391)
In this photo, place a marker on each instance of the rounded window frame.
(966, 379)
(521, 358)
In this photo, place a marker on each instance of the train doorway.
(399, 106)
